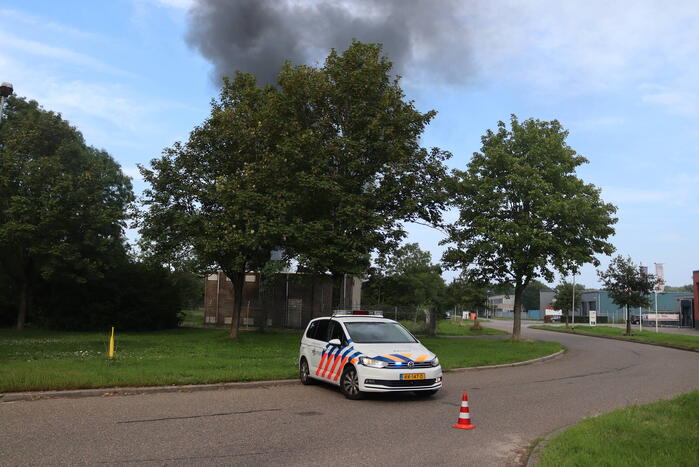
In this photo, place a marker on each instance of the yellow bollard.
(111, 345)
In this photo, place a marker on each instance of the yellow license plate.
(405, 376)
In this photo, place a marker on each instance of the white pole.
(573, 307)
(655, 292)
(640, 319)
(218, 294)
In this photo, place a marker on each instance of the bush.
(132, 296)
(586, 319)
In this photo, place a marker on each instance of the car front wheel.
(349, 384)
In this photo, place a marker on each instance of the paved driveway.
(296, 425)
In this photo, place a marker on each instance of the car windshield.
(378, 333)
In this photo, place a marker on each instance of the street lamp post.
(573, 306)
(5, 92)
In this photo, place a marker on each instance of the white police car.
(366, 353)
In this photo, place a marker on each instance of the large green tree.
(327, 165)
(368, 172)
(523, 212)
(63, 204)
(466, 295)
(223, 198)
(407, 277)
(563, 297)
(627, 285)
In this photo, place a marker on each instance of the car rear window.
(318, 330)
(378, 333)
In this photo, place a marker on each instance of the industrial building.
(283, 300)
(674, 308)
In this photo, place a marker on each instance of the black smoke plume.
(257, 36)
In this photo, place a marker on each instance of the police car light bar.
(376, 313)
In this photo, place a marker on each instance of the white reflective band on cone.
(465, 415)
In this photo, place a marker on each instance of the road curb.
(669, 346)
(505, 365)
(539, 445)
(128, 391)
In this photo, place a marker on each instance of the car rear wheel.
(349, 384)
(304, 373)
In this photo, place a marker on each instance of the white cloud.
(132, 172)
(627, 195)
(677, 102)
(180, 4)
(42, 23)
(598, 122)
(61, 54)
(578, 47)
(667, 192)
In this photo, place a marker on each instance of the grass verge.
(664, 433)
(49, 360)
(677, 340)
(195, 317)
(452, 328)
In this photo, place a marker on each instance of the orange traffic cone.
(464, 415)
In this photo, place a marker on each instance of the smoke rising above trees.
(257, 36)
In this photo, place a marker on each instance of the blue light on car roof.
(398, 364)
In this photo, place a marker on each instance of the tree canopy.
(466, 295)
(63, 204)
(326, 165)
(563, 297)
(523, 212)
(367, 171)
(407, 277)
(627, 284)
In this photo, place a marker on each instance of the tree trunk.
(313, 296)
(517, 325)
(338, 292)
(238, 279)
(22, 304)
(432, 328)
(628, 322)
(476, 325)
(262, 305)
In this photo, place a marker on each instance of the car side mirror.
(335, 342)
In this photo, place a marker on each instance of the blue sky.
(624, 79)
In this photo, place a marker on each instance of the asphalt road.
(298, 425)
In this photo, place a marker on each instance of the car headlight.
(435, 361)
(372, 362)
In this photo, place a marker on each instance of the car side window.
(312, 330)
(335, 332)
(321, 333)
